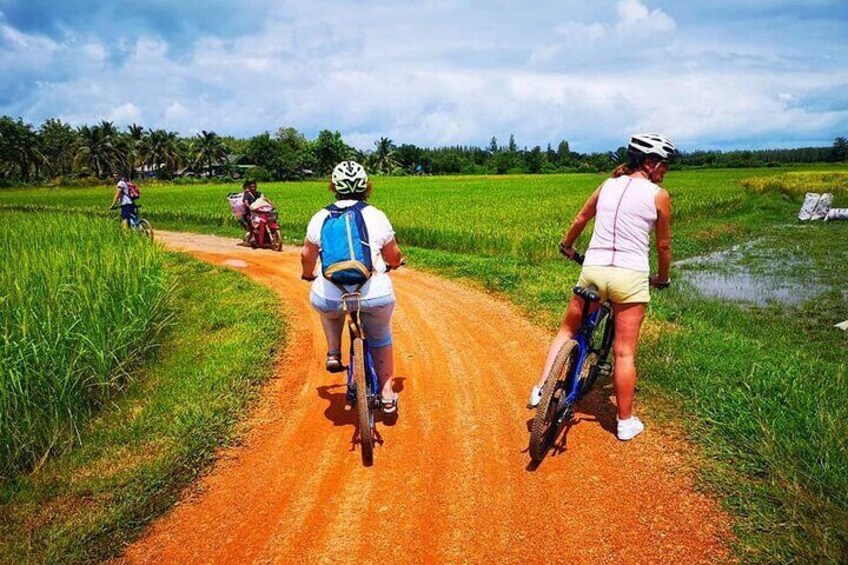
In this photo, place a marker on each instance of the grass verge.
(138, 453)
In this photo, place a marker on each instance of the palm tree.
(162, 151)
(26, 151)
(206, 149)
(97, 148)
(384, 155)
(132, 142)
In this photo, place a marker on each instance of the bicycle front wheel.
(144, 227)
(363, 409)
(552, 410)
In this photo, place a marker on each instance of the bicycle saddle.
(589, 293)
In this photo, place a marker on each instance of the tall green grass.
(80, 302)
(516, 216)
(165, 427)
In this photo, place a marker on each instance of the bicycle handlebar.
(575, 256)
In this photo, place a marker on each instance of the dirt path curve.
(450, 483)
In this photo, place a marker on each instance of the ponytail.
(622, 169)
(633, 165)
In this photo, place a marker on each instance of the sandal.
(389, 404)
(334, 362)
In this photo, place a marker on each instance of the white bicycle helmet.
(653, 144)
(349, 177)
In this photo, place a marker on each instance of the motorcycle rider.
(250, 195)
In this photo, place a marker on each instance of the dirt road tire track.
(450, 482)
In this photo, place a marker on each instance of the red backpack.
(132, 191)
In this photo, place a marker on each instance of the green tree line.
(56, 150)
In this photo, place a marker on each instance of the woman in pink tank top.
(626, 208)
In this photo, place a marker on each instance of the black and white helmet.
(651, 144)
(349, 177)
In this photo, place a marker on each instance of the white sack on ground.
(822, 207)
(836, 214)
(809, 206)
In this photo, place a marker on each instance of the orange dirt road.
(450, 483)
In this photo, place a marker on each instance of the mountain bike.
(137, 223)
(576, 368)
(363, 385)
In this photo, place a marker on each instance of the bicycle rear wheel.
(552, 410)
(144, 227)
(363, 409)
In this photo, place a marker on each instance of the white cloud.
(435, 74)
(579, 32)
(176, 112)
(634, 15)
(124, 114)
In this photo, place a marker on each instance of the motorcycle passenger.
(250, 195)
(122, 198)
(350, 186)
(626, 208)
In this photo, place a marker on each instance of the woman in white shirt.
(350, 185)
(626, 208)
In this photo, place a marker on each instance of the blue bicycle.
(577, 366)
(363, 386)
(137, 223)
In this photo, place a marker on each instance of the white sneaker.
(535, 397)
(630, 428)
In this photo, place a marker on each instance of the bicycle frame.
(358, 332)
(134, 219)
(583, 338)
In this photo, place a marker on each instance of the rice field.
(759, 386)
(517, 216)
(80, 303)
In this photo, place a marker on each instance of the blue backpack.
(345, 251)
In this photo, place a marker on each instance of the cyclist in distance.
(626, 208)
(350, 186)
(122, 199)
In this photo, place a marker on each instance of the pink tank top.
(626, 213)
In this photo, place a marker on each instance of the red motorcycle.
(264, 227)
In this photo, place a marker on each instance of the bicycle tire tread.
(366, 437)
(538, 442)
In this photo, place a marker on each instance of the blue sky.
(719, 74)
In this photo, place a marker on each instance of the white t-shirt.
(125, 193)
(380, 233)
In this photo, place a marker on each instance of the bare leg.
(570, 325)
(333, 331)
(628, 321)
(384, 364)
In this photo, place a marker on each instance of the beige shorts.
(620, 285)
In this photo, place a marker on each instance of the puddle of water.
(754, 289)
(237, 263)
(752, 273)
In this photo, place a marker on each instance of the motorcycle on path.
(264, 225)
